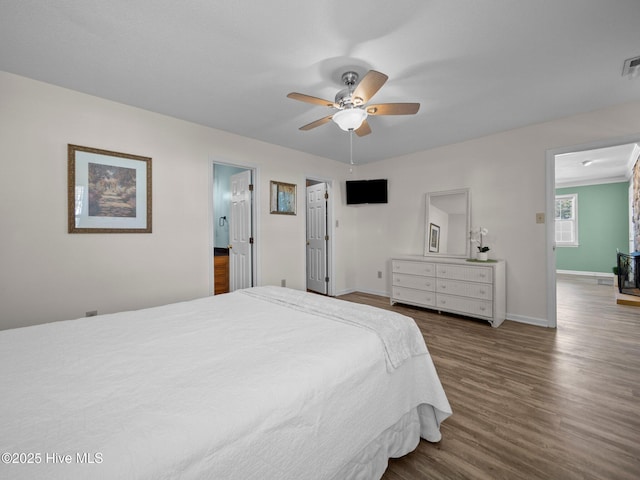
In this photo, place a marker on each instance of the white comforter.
(248, 385)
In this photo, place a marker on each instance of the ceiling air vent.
(631, 67)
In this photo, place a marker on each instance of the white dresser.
(474, 289)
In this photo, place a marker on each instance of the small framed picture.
(108, 192)
(434, 238)
(283, 198)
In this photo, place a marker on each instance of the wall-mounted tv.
(366, 191)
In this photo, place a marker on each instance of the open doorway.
(319, 236)
(589, 177)
(233, 228)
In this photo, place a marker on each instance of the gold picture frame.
(283, 198)
(108, 192)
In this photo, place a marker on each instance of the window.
(567, 220)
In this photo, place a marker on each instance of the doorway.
(552, 157)
(319, 236)
(233, 250)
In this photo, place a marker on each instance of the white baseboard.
(375, 292)
(585, 274)
(363, 290)
(538, 322)
(601, 278)
(346, 292)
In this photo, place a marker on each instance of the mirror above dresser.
(448, 223)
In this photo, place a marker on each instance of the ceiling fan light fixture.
(349, 118)
(351, 104)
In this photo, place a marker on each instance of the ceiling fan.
(351, 103)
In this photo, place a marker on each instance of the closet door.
(317, 238)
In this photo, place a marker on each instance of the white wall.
(47, 274)
(506, 175)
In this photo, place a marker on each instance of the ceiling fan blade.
(317, 123)
(393, 109)
(309, 99)
(368, 86)
(363, 129)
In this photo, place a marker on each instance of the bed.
(262, 383)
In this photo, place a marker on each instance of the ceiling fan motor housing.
(344, 96)
(349, 78)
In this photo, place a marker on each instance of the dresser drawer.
(464, 305)
(470, 274)
(483, 291)
(410, 295)
(414, 281)
(413, 268)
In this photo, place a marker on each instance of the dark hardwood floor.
(531, 402)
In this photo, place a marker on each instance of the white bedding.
(246, 385)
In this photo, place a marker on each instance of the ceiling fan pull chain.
(351, 146)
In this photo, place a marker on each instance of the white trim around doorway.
(550, 184)
(255, 174)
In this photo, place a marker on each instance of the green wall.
(603, 227)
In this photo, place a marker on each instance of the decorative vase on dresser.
(454, 285)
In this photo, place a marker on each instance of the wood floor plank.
(530, 402)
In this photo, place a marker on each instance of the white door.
(240, 240)
(317, 239)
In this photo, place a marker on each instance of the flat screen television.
(366, 191)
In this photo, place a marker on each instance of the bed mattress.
(261, 383)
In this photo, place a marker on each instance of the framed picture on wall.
(283, 198)
(108, 192)
(434, 238)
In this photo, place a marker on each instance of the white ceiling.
(602, 165)
(476, 67)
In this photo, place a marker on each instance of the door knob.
(229, 247)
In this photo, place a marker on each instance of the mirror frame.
(428, 224)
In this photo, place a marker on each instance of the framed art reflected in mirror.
(434, 238)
